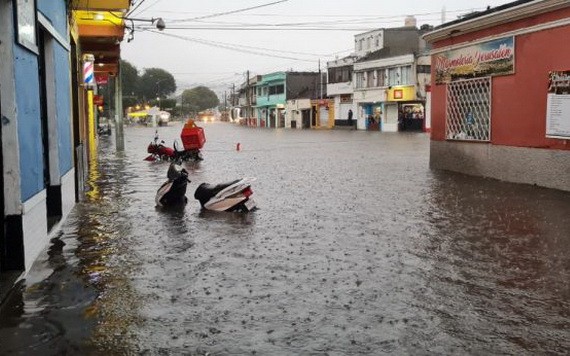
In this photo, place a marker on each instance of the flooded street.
(357, 248)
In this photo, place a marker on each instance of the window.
(340, 74)
(468, 110)
(406, 75)
(423, 69)
(360, 79)
(276, 89)
(370, 79)
(381, 77)
(378, 41)
(393, 76)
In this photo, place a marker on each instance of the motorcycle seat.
(205, 190)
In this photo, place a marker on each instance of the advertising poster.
(486, 59)
(558, 105)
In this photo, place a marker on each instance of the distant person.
(350, 117)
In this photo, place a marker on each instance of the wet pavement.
(358, 248)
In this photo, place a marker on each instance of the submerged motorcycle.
(231, 196)
(159, 151)
(173, 191)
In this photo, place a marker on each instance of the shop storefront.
(403, 111)
(501, 96)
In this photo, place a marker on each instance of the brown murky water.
(357, 248)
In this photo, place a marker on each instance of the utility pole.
(320, 81)
(233, 94)
(119, 135)
(248, 102)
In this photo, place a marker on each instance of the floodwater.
(358, 248)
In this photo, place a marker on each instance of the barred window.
(468, 110)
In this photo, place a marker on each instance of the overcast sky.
(214, 43)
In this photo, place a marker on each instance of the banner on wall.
(486, 59)
(558, 105)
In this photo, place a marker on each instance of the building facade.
(340, 88)
(274, 89)
(47, 115)
(38, 186)
(501, 94)
(245, 112)
(384, 82)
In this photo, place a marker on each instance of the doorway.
(49, 128)
(306, 119)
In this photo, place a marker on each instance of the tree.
(199, 98)
(129, 79)
(156, 82)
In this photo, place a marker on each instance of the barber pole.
(88, 73)
(88, 69)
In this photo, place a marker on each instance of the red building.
(500, 95)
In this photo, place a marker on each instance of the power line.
(230, 12)
(250, 47)
(148, 7)
(229, 47)
(361, 20)
(135, 8)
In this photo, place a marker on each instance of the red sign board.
(102, 78)
(98, 100)
(398, 94)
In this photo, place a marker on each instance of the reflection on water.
(357, 248)
(498, 266)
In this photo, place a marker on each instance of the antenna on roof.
(443, 14)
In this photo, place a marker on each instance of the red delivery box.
(192, 136)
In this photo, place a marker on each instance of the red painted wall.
(518, 111)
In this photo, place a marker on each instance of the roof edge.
(495, 16)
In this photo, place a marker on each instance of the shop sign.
(407, 93)
(98, 99)
(558, 105)
(101, 78)
(26, 24)
(486, 59)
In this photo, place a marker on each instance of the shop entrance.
(306, 119)
(411, 117)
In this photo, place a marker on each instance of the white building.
(340, 88)
(298, 114)
(384, 64)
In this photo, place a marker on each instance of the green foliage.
(129, 101)
(167, 104)
(129, 78)
(156, 82)
(199, 98)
